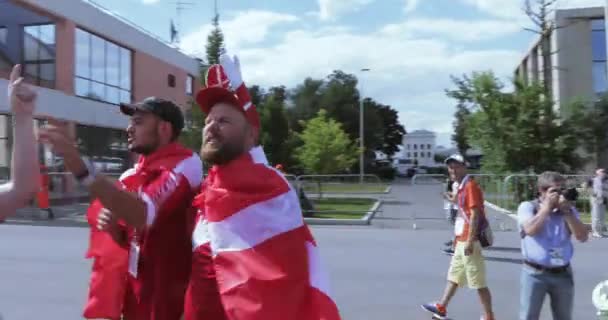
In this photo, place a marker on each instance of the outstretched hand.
(21, 96)
(56, 134)
(232, 67)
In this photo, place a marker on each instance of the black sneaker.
(449, 251)
(449, 243)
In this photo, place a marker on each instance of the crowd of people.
(167, 244)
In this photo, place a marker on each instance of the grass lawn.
(335, 208)
(312, 187)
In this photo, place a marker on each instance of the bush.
(386, 173)
(437, 170)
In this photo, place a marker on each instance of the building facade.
(85, 61)
(577, 67)
(419, 147)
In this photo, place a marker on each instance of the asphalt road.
(384, 271)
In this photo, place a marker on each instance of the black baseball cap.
(164, 109)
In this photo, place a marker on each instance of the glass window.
(421, 146)
(428, 146)
(189, 85)
(125, 69)
(39, 54)
(415, 147)
(598, 24)
(103, 69)
(409, 154)
(428, 154)
(112, 64)
(98, 59)
(3, 35)
(415, 153)
(83, 52)
(598, 45)
(408, 147)
(421, 154)
(600, 78)
(83, 87)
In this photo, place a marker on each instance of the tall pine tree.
(192, 136)
(215, 42)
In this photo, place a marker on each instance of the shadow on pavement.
(504, 249)
(506, 260)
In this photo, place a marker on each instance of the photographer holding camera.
(546, 227)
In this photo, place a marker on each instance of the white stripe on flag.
(319, 278)
(256, 224)
(200, 236)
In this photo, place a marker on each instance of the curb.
(500, 210)
(365, 221)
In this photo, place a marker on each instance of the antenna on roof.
(177, 26)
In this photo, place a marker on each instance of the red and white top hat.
(218, 89)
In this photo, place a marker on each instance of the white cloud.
(460, 30)
(411, 5)
(581, 3)
(331, 9)
(410, 70)
(150, 1)
(514, 9)
(245, 28)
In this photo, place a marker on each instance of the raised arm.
(24, 164)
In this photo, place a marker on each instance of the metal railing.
(428, 178)
(341, 184)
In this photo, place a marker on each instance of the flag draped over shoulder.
(266, 260)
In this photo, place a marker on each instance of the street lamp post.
(361, 135)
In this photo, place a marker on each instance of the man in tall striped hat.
(254, 258)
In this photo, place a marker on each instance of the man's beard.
(221, 153)
(148, 148)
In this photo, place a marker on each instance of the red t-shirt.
(165, 248)
(469, 197)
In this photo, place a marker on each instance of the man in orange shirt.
(467, 265)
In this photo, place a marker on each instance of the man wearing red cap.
(141, 226)
(249, 235)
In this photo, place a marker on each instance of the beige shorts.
(468, 270)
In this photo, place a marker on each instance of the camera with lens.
(570, 194)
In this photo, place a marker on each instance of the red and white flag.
(266, 261)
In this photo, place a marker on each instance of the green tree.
(326, 148)
(192, 136)
(275, 130)
(393, 131)
(215, 42)
(509, 127)
(594, 120)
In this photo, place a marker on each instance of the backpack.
(484, 230)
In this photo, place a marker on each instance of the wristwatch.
(87, 177)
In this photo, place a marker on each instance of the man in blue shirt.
(546, 226)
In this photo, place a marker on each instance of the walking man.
(467, 266)
(598, 203)
(546, 227)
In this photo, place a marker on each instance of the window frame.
(105, 83)
(38, 63)
(595, 61)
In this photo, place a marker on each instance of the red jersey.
(160, 254)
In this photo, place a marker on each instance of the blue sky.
(411, 46)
